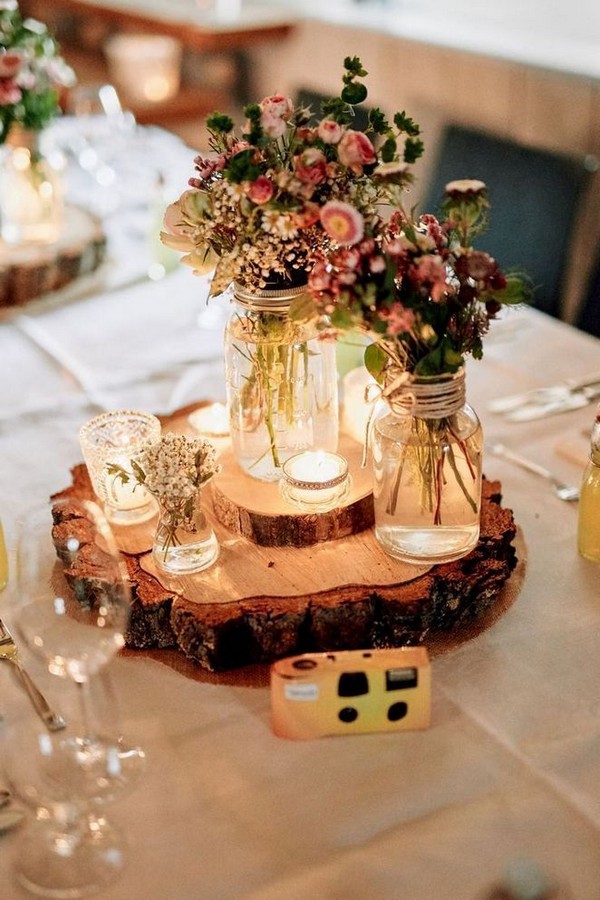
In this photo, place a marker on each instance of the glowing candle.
(315, 480)
(213, 420)
(114, 439)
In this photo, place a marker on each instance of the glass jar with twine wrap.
(426, 444)
(281, 376)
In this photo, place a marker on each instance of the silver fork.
(9, 651)
(563, 491)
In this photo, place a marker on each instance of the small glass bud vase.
(184, 543)
(282, 386)
(427, 459)
(31, 191)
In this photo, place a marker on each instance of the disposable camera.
(351, 692)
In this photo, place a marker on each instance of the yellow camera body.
(351, 692)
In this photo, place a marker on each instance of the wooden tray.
(258, 603)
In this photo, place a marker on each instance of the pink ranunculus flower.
(342, 222)
(10, 63)
(399, 320)
(311, 166)
(330, 131)
(355, 150)
(273, 126)
(261, 190)
(278, 106)
(430, 270)
(10, 92)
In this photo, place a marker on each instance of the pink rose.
(10, 63)
(273, 126)
(311, 166)
(9, 91)
(261, 190)
(342, 222)
(278, 106)
(329, 131)
(355, 150)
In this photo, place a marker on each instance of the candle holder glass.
(114, 439)
(315, 481)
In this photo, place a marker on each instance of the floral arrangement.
(417, 287)
(31, 71)
(270, 200)
(173, 470)
(426, 297)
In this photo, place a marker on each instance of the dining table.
(504, 784)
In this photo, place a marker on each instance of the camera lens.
(304, 664)
(397, 711)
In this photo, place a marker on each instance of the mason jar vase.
(282, 385)
(427, 462)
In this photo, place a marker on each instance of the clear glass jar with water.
(282, 384)
(427, 460)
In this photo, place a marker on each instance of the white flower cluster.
(175, 468)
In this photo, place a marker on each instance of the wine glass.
(70, 850)
(70, 606)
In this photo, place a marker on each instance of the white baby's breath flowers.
(174, 469)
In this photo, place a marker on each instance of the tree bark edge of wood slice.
(261, 629)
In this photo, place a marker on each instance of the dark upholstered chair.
(534, 196)
(589, 317)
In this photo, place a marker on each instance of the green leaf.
(353, 65)
(354, 93)
(336, 109)
(219, 123)
(377, 121)
(406, 124)
(389, 149)
(375, 361)
(413, 149)
(242, 167)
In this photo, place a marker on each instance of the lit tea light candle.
(315, 480)
(145, 67)
(112, 440)
(213, 420)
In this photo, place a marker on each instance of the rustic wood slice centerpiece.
(330, 587)
(28, 271)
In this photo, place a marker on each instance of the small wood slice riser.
(255, 509)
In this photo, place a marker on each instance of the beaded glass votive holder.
(114, 438)
(315, 481)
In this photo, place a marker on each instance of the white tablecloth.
(510, 766)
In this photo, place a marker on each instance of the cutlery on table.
(563, 491)
(9, 651)
(582, 389)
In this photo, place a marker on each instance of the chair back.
(534, 196)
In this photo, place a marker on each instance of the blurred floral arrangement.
(269, 202)
(417, 287)
(32, 72)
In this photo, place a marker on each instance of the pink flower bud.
(329, 131)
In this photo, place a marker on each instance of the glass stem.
(85, 709)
